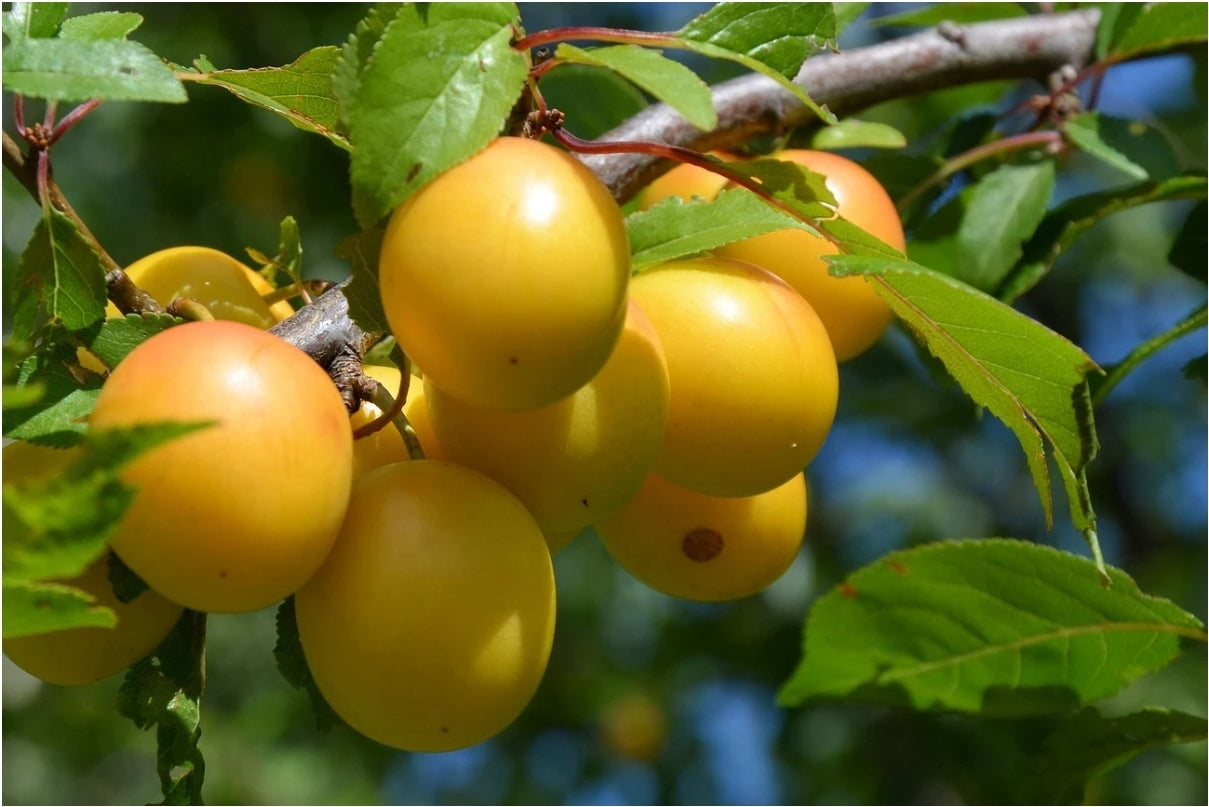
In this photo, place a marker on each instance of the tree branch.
(946, 56)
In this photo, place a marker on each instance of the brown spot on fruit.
(512, 360)
(703, 544)
(847, 589)
(222, 574)
(897, 567)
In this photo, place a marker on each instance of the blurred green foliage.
(909, 461)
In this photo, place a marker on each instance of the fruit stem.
(597, 33)
(684, 155)
(391, 406)
(975, 155)
(190, 309)
(72, 118)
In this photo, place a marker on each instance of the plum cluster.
(672, 412)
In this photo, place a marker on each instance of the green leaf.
(1191, 245)
(1029, 377)
(291, 663)
(962, 13)
(58, 414)
(1087, 745)
(37, 20)
(846, 14)
(364, 299)
(994, 627)
(31, 608)
(593, 99)
(793, 185)
(778, 35)
(669, 81)
(77, 70)
(1063, 225)
(674, 229)
(59, 280)
(301, 92)
(22, 397)
(1143, 28)
(55, 526)
(288, 260)
(164, 690)
(1144, 145)
(1109, 13)
(854, 133)
(120, 335)
(1198, 368)
(54, 530)
(101, 25)
(769, 38)
(356, 53)
(127, 585)
(442, 80)
(1115, 374)
(978, 235)
(1084, 131)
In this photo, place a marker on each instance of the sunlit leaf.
(301, 92)
(778, 35)
(963, 13)
(440, 83)
(58, 416)
(855, 133)
(77, 70)
(31, 608)
(1142, 28)
(59, 280)
(674, 229)
(978, 235)
(355, 55)
(38, 20)
(101, 25)
(55, 527)
(769, 38)
(667, 80)
(846, 14)
(1031, 378)
(120, 335)
(994, 627)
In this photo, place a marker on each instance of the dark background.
(910, 460)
